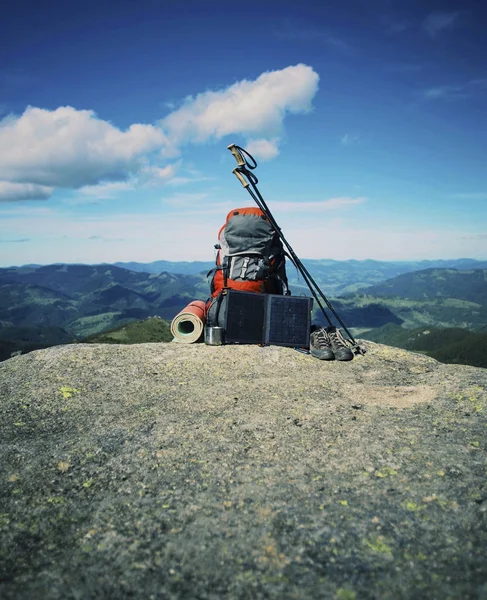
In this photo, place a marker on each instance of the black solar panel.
(245, 318)
(268, 319)
(288, 320)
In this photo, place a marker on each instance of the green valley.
(57, 304)
(450, 345)
(150, 330)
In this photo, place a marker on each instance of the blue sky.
(368, 120)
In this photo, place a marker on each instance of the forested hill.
(81, 280)
(55, 304)
(468, 284)
(335, 277)
(84, 300)
(450, 345)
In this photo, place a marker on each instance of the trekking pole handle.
(238, 156)
(240, 177)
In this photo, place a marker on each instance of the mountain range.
(469, 285)
(433, 297)
(333, 276)
(46, 305)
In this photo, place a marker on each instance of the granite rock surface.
(172, 471)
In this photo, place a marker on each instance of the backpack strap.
(225, 267)
(214, 308)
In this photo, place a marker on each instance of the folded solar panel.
(267, 319)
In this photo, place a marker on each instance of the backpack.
(250, 258)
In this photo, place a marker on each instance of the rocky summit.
(164, 471)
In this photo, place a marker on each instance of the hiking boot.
(320, 345)
(339, 344)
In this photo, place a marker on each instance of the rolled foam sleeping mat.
(187, 326)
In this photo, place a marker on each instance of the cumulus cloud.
(70, 148)
(263, 149)
(154, 175)
(42, 150)
(247, 107)
(10, 192)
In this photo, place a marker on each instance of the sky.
(368, 120)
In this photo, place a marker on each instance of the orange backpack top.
(250, 255)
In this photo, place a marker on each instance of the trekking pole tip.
(234, 149)
(358, 349)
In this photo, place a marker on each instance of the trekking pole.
(249, 182)
(242, 170)
(292, 255)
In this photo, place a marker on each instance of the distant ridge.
(392, 267)
(336, 277)
(53, 304)
(158, 266)
(463, 284)
(86, 299)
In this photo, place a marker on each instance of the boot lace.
(321, 339)
(337, 339)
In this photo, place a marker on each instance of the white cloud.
(148, 176)
(26, 211)
(138, 237)
(42, 149)
(246, 107)
(10, 192)
(164, 172)
(71, 148)
(323, 205)
(439, 21)
(263, 149)
(155, 175)
(106, 190)
(131, 236)
(188, 175)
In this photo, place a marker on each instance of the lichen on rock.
(193, 471)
